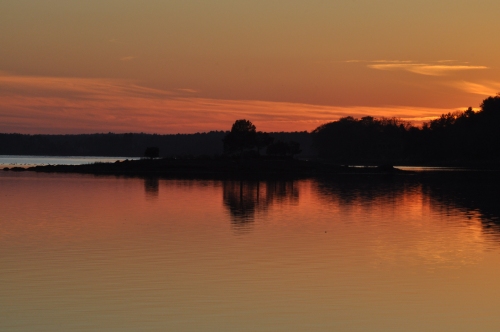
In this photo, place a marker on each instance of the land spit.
(214, 167)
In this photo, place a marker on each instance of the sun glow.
(77, 105)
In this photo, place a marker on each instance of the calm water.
(26, 161)
(85, 253)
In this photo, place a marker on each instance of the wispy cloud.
(186, 90)
(379, 61)
(430, 69)
(78, 105)
(392, 61)
(484, 88)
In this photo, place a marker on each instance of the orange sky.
(190, 66)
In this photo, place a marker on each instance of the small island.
(214, 168)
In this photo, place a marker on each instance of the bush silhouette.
(280, 148)
(152, 152)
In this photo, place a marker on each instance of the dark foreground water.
(85, 253)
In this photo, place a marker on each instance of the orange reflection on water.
(312, 255)
(410, 225)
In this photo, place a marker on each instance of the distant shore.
(213, 167)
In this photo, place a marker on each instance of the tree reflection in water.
(472, 192)
(244, 199)
(151, 187)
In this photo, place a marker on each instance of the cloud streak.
(438, 69)
(186, 90)
(484, 88)
(80, 105)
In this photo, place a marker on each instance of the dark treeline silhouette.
(126, 145)
(152, 152)
(245, 141)
(461, 138)
(130, 144)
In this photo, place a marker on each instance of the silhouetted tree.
(491, 106)
(241, 137)
(462, 137)
(294, 148)
(361, 140)
(152, 152)
(262, 140)
(278, 148)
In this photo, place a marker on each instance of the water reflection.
(152, 187)
(244, 199)
(363, 189)
(472, 193)
(414, 248)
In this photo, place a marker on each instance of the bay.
(359, 253)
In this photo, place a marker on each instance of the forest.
(460, 138)
(131, 144)
(468, 138)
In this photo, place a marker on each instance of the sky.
(182, 66)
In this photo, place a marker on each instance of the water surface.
(28, 161)
(86, 253)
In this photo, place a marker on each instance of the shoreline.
(170, 167)
(257, 169)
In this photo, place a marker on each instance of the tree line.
(245, 141)
(462, 137)
(132, 144)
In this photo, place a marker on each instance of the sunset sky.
(172, 66)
